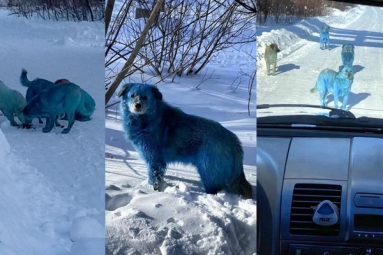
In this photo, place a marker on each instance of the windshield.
(326, 54)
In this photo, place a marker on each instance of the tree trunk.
(135, 51)
(108, 14)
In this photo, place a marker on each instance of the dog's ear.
(124, 88)
(156, 92)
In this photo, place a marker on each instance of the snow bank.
(51, 182)
(180, 222)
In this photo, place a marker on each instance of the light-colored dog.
(271, 57)
(12, 102)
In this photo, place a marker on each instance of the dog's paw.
(46, 130)
(65, 131)
(159, 184)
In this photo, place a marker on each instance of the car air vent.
(305, 199)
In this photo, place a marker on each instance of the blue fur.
(86, 108)
(12, 102)
(34, 87)
(347, 54)
(53, 102)
(336, 83)
(324, 38)
(163, 134)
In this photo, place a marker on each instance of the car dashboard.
(319, 193)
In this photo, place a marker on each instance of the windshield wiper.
(334, 113)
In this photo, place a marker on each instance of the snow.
(52, 185)
(183, 219)
(300, 61)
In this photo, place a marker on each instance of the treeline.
(287, 11)
(71, 10)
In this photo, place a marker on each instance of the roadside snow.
(50, 181)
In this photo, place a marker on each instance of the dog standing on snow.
(338, 84)
(163, 134)
(271, 57)
(51, 103)
(12, 102)
(324, 38)
(34, 87)
(38, 85)
(347, 55)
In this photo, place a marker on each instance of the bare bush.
(185, 37)
(72, 10)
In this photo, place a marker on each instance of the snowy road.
(300, 60)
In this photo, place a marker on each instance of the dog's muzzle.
(138, 106)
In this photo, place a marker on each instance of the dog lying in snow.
(12, 102)
(66, 98)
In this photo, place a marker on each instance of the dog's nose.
(25, 111)
(138, 106)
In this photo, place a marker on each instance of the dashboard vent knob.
(326, 214)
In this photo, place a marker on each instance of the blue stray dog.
(34, 87)
(38, 85)
(324, 38)
(347, 54)
(12, 103)
(338, 84)
(51, 103)
(163, 134)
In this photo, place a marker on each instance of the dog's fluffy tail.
(313, 90)
(86, 108)
(24, 79)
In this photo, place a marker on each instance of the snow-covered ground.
(184, 219)
(300, 61)
(52, 185)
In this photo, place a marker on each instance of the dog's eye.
(132, 95)
(144, 97)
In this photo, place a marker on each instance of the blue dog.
(34, 87)
(163, 134)
(51, 103)
(338, 84)
(12, 103)
(38, 85)
(324, 38)
(347, 54)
